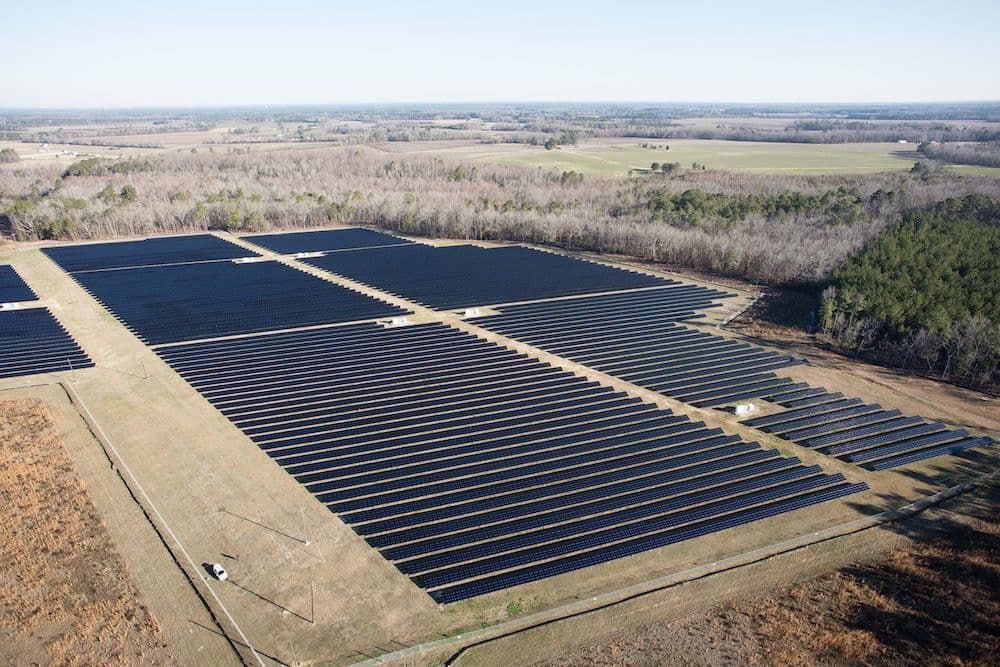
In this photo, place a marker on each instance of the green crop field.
(760, 157)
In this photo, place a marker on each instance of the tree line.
(777, 229)
(983, 154)
(925, 294)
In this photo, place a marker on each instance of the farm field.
(620, 158)
(604, 156)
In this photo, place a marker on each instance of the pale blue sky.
(182, 53)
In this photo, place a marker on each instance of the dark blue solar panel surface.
(637, 542)
(167, 304)
(859, 432)
(461, 276)
(931, 452)
(32, 341)
(459, 459)
(147, 252)
(12, 287)
(637, 336)
(323, 240)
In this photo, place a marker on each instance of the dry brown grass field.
(67, 595)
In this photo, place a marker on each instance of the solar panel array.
(12, 287)
(472, 467)
(179, 302)
(461, 276)
(475, 468)
(32, 341)
(862, 433)
(635, 336)
(326, 240)
(147, 252)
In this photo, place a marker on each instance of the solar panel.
(786, 428)
(799, 413)
(593, 476)
(146, 252)
(32, 342)
(906, 446)
(491, 526)
(635, 544)
(842, 424)
(739, 392)
(816, 399)
(453, 277)
(321, 240)
(923, 454)
(859, 433)
(861, 443)
(636, 336)
(793, 392)
(527, 548)
(12, 286)
(167, 304)
(430, 441)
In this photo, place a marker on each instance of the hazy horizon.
(460, 104)
(115, 55)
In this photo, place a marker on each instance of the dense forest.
(925, 293)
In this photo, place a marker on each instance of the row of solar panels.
(635, 336)
(165, 250)
(163, 299)
(861, 433)
(461, 276)
(325, 240)
(474, 468)
(157, 251)
(12, 287)
(32, 341)
(180, 302)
